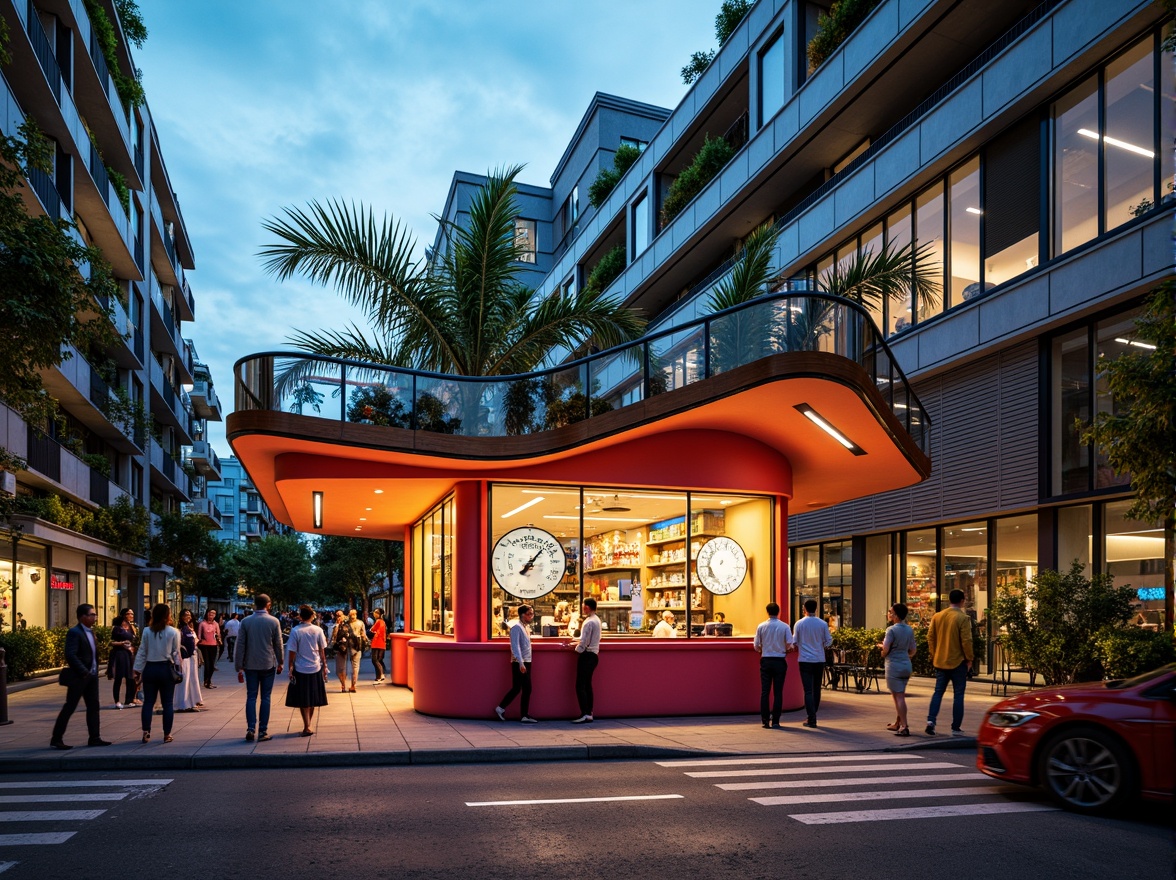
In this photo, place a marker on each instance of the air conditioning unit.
(7, 483)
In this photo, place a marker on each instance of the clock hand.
(531, 562)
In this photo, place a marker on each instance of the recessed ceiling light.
(367, 508)
(363, 519)
(378, 491)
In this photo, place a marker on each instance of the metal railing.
(500, 406)
(44, 52)
(44, 454)
(100, 175)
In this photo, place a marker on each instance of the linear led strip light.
(813, 416)
(317, 502)
(1115, 142)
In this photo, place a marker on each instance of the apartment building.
(1030, 145)
(126, 423)
(242, 516)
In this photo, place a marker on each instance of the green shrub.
(608, 178)
(1127, 651)
(120, 186)
(708, 162)
(832, 29)
(37, 649)
(606, 270)
(123, 524)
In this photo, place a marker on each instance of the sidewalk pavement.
(377, 725)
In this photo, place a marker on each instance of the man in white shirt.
(665, 628)
(589, 650)
(773, 640)
(520, 666)
(232, 627)
(812, 637)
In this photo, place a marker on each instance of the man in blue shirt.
(812, 638)
(773, 640)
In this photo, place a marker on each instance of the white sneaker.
(118, 705)
(527, 719)
(583, 719)
(500, 712)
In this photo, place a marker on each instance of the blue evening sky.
(261, 104)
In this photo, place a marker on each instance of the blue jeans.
(254, 678)
(959, 679)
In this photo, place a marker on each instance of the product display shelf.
(680, 539)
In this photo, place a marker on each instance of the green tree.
(1052, 622)
(47, 304)
(185, 543)
(1139, 437)
(730, 14)
(345, 568)
(463, 312)
(279, 566)
(607, 178)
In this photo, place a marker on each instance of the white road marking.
(592, 800)
(842, 768)
(730, 762)
(61, 798)
(50, 815)
(49, 837)
(86, 783)
(919, 813)
(899, 794)
(857, 780)
(4, 866)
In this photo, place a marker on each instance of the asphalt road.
(911, 816)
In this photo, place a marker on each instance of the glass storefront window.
(64, 596)
(1075, 163)
(920, 586)
(1130, 139)
(1016, 549)
(1074, 537)
(929, 228)
(965, 233)
(1113, 337)
(837, 597)
(1070, 404)
(806, 578)
(31, 583)
(879, 579)
(433, 570)
(636, 553)
(1134, 554)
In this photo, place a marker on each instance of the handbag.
(177, 673)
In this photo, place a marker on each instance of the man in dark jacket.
(80, 676)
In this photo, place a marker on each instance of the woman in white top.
(307, 650)
(159, 655)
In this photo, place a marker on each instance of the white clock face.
(722, 566)
(528, 562)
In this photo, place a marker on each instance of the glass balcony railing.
(501, 406)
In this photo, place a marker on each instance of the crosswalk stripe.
(893, 795)
(857, 780)
(4, 866)
(588, 800)
(795, 759)
(50, 815)
(62, 798)
(48, 837)
(86, 783)
(919, 813)
(835, 768)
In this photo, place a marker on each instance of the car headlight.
(1010, 718)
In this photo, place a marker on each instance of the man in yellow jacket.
(949, 639)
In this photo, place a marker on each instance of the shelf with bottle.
(610, 551)
(700, 537)
(612, 569)
(702, 522)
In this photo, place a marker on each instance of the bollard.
(3, 690)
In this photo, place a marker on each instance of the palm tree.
(799, 325)
(463, 312)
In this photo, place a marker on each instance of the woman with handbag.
(122, 657)
(341, 645)
(308, 668)
(157, 665)
(188, 696)
(209, 639)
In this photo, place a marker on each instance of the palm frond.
(871, 279)
(751, 274)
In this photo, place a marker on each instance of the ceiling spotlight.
(317, 499)
(615, 506)
(379, 491)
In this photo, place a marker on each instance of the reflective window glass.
(1134, 554)
(1113, 337)
(1071, 403)
(1075, 163)
(771, 79)
(965, 233)
(898, 235)
(1130, 138)
(929, 228)
(920, 588)
(1074, 537)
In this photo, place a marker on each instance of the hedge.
(1128, 651)
(32, 650)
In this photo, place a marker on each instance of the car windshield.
(1142, 679)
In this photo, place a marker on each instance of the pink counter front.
(635, 678)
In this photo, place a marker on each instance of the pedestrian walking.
(232, 627)
(812, 638)
(348, 643)
(898, 649)
(773, 641)
(258, 660)
(379, 643)
(307, 650)
(520, 666)
(588, 647)
(156, 666)
(949, 639)
(209, 638)
(80, 677)
(188, 697)
(120, 666)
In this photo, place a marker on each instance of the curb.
(254, 761)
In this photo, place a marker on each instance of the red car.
(1091, 746)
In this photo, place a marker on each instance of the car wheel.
(1087, 770)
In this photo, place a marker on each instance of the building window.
(636, 553)
(929, 217)
(771, 79)
(640, 227)
(432, 561)
(1012, 202)
(525, 244)
(633, 142)
(920, 575)
(1075, 538)
(964, 250)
